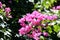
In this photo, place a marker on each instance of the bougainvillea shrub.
(35, 24)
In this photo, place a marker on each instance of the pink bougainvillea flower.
(49, 18)
(36, 35)
(23, 24)
(33, 16)
(54, 8)
(7, 9)
(8, 15)
(45, 34)
(58, 7)
(41, 17)
(28, 28)
(35, 22)
(35, 12)
(0, 5)
(22, 31)
(21, 20)
(25, 30)
(29, 19)
(54, 17)
(28, 14)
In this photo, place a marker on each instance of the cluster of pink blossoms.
(30, 23)
(56, 8)
(0, 5)
(7, 10)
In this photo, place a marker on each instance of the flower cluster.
(0, 5)
(7, 10)
(56, 8)
(32, 23)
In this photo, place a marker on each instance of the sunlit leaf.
(49, 29)
(56, 28)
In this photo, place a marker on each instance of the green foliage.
(49, 29)
(56, 28)
(44, 5)
(48, 3)
(41, 38)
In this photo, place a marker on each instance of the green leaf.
(48, 3)
(56, 28)
(49, 29)
(52, 1)
(1, 11)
